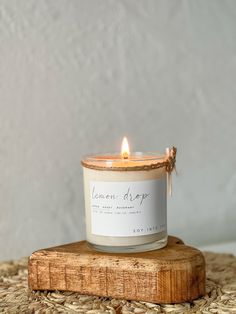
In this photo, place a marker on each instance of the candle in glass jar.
(126, 200)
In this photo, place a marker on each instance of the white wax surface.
(116, 160)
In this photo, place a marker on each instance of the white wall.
(75, 76)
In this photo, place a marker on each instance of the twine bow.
(170, 166)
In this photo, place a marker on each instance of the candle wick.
(125, 155)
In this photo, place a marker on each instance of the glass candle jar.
(126, 201)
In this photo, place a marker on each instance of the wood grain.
(173, 274)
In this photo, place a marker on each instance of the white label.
(128, 208)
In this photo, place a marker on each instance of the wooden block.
(173, 274)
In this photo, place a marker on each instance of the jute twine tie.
(170, 166)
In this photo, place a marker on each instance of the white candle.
(125, 200)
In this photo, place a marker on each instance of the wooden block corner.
(173, 274)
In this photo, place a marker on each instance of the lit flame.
(125, 148)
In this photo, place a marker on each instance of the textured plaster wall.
(75, 76)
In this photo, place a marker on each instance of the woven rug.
(15, 296)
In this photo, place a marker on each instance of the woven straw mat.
(15, 296)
